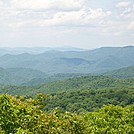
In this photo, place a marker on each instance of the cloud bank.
(68, 14)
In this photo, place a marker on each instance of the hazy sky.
(77, 23)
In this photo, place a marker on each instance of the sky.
(58, 23)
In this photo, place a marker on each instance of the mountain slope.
(72, 84)
(18, 76)
(127, 72)
(85, 82)
(5, 77)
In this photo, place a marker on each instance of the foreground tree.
(17, 116)
(22, 115)
(112, 120)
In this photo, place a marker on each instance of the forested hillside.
(5, 77)
(76, 83)
(30, 77)
(82, 101)
(127, 72)
(19, 76)
(51, 78)
(85, 82)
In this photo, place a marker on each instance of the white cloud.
(128, 13)
(131, 25)
(1, 3)
(76, 18)
(71, 15)
(123, 4)
(48, 4)
(125, 16)
(28, 13)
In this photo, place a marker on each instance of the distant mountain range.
(54, 62)
(35, 50)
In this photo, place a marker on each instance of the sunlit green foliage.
(23, 116)
(111, 120)
(17, 117)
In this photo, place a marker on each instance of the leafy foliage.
(23, 116)
(111, 120)
(18, 117)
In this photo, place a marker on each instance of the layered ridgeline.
(31, 77)
(32, 81)
(35, 50)
(53, 62)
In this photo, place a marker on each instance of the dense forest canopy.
(18, 115)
